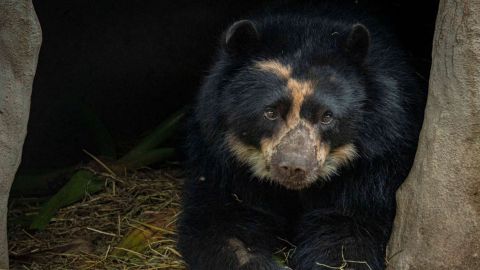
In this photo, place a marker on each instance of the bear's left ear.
(241, 38)
(358, 43)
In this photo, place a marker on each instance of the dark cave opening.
(134, 63)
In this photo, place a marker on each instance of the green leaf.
(81, 184)
(22, 221)
(146, 159)
(97, 129)
(40, 184)
(279, 260)
(162, 132)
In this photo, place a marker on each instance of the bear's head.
(291, 107)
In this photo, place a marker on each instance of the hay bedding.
(129, 225)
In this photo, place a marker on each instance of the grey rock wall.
(20, 40)
(438, 215)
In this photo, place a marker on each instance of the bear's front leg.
(217, 233)
(327, 239)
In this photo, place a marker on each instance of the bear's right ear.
(241, 38)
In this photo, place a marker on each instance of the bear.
(302, 132)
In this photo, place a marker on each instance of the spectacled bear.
(304, 129)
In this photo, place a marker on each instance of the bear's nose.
(294, 166)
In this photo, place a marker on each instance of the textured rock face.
(438, 216)
(20, 39)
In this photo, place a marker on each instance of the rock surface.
(20, 40)
(438, 215)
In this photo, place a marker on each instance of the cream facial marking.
(328, 161)
(249, 155)
(338, 157)
(276, 67)
(296, 90)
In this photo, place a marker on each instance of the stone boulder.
(438, 215)
(20, 40)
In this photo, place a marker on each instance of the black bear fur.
(231, 218)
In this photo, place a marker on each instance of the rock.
(20, 40)
(438, 215)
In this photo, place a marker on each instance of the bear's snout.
(294, 159)
(294, 166)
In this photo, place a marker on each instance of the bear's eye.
(271, 114)
(327, 118)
